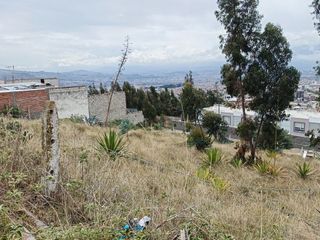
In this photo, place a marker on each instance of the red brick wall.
(31, 101)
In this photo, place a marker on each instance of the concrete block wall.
(98, 106)
(31, 101)
(135, 117)
(70, 101)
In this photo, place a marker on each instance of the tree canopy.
(241, 20)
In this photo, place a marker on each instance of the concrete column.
(50, 147)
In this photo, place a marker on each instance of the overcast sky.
(81, 34)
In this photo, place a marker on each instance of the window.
(299, 127)
(227, 119)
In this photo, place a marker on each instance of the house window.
(227, 119)
(299, 127)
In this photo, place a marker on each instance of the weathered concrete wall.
(135, 117)
(70, 101)
(98, 106)
(30, 101)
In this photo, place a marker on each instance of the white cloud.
(81, 34)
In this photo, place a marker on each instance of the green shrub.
(189, 126)
(157, 126)
(199, 139)
(77, 118)
(91, 120)
(304, 170)
(125, 126)
(215, 126)
(214, 156)
(111, 143)
(246, 130)
(267, 138)
(14, 112)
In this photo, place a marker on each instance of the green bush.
(215, 126)
(268, 139)
(199, 139)
(246, 130)
(157, 126)
(111, 143)
(77, 118)
(189, 126)
(125, 126)
(14, 112)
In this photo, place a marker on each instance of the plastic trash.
(135, 225)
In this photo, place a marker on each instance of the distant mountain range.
(84, 77)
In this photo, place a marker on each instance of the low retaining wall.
(135, 117)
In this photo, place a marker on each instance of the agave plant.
(214, 156)
(304, 170)
(263, 167)
(237, 162)
(111, 143)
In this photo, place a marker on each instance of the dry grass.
(157, 177)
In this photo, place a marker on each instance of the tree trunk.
(254, 144)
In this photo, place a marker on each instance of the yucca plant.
(275, 171)
(111, 143)
(263, 167)
(304, 170)
(237, 162)
(214, 156)
(219, 183)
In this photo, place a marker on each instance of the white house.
(297, 124)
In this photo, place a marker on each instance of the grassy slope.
(102, 194)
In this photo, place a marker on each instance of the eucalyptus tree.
(271, 81)
(241, 21)
(316, 12)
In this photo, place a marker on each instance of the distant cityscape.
(204, 79)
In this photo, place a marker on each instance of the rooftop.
(21, 86)
(313, 116)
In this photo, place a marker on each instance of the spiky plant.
(111, 143)
(304, 170)
(237, 162)
(213, 157)
(263, 167)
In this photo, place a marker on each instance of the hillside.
(156, 177)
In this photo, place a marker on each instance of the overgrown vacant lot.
(156, 176)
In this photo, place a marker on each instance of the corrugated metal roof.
(21, 86)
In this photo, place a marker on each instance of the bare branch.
(124, 57)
